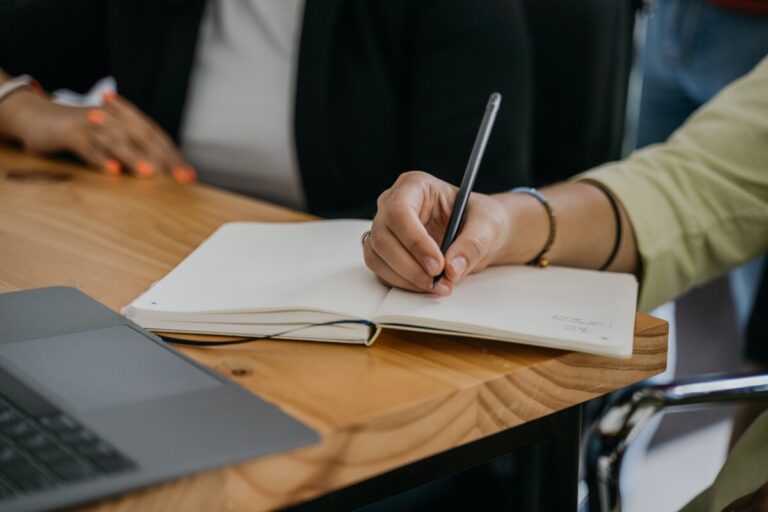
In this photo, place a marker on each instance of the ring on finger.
(365, 237)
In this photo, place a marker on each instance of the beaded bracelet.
(540, 260)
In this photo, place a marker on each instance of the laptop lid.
(164, 413)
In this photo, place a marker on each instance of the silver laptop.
(92, 405)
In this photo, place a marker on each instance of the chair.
(624, 419)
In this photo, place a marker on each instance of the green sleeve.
(745, 470)
(698, 204)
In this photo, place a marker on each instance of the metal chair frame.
(621, 422)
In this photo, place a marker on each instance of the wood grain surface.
(409, 396)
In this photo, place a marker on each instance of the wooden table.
(411, 404)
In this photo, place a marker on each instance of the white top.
(237, 129)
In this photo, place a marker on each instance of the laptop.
(92, 405)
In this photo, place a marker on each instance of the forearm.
(8, 112)
(29, 117)
(585, 229)
(9, 116)
(3, 121)
(17, 109)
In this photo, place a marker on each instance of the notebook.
(308, 281)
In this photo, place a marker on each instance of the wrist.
(16, 111)
(588, 226)
(528, 229)
(33, 120)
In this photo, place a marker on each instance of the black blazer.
(383, 86)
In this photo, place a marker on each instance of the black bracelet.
(540, 260)
(617, 216)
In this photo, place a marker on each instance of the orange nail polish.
(96, 116)
(113, 167)
(108, 95)
(184, 174)
(144, 169)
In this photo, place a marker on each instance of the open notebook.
(259, 279)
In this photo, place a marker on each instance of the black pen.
(457, 215)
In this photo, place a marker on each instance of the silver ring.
(364, 237)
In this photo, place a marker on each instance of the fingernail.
(108, 95)
(459, 265)
(113, 167)
(442, 289)
(96, 116)
(144, 169)
(430, 265)
(184, 174)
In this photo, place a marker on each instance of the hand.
(403, 248)
(115, 139)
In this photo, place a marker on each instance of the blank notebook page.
(590, 308)
(249, 266)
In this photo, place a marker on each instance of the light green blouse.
(699, 206)
(699, 203)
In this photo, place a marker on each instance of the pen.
(457, 215)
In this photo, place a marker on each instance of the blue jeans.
(693, 49)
